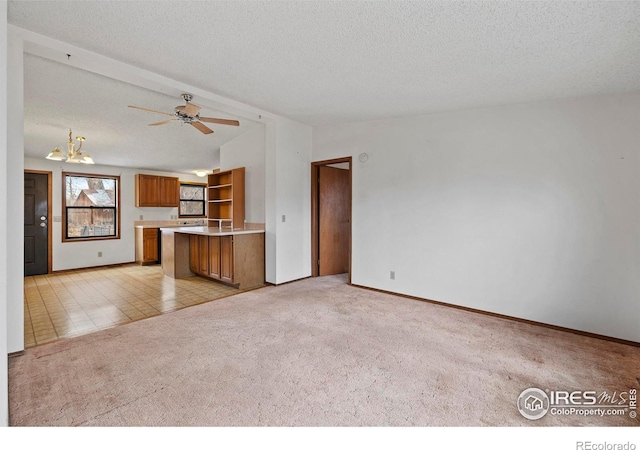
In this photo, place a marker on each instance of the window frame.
(204, 199)
(116, 208)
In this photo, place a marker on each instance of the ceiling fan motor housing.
(180, 114)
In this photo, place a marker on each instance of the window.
(91, 207)
(191, 200)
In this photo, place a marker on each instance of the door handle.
(42, 224)
(43, 217)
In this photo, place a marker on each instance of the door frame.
(49, 175)
(315, 210)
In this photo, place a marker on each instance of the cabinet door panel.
(214, 257)
(194, 258)
(203, 255)
(169, 191)
(148, 190)
(150, 245)
(226, 258)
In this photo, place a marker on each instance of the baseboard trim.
(286, 282)
(504, 316)
(105, 266)
(14, 354)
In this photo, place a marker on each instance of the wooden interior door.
(36, 224)
(334, 215)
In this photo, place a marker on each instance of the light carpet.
(316, 352)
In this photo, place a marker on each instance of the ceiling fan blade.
(150, 110)
(235, 123)
(162, 123)
(203, 128)
(191, 109)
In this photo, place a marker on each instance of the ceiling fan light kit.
(189, 113)
(74, 155)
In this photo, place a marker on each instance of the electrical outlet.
(392, 274)
(284, 218)
(99, 254)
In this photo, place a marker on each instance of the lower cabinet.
(214, 257)
(203, 255)
(233, 259)
(226, 259)
(199, 254)
(147, 246)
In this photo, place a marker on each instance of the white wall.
(15, 180)
(532, 211)
(72, 255)
(288, 194)
(4, 237)
(248, 151)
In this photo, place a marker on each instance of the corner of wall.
(4, 238)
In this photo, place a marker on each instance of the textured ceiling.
(324, 62)
(59, 97)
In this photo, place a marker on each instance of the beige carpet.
(313, 352)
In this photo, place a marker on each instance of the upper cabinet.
(169, 191)
(155, 190)
(226, 198)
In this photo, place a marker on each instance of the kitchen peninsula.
(231, 256)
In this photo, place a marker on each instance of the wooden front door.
(36, 223)
(333, 228)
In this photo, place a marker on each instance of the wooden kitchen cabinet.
(203, 255)
(199, 254)
(147, 190)
(237, 260)
(221, 258)
(147, 246)
(214, 257)
(226, 259)
(194, 254)
(169, 191)
(155, 190)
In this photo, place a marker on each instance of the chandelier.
(74, 155)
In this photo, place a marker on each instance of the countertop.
(165, 224)
(206, 231)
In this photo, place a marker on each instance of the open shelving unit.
(226, 198)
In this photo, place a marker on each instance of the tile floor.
(82, 301)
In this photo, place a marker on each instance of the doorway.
(331, 217)
(37, 218)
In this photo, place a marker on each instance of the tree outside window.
(90, 207)
(192, 200)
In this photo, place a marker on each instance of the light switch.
(57, 218)
(284, 218)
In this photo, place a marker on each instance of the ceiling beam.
(64, 53)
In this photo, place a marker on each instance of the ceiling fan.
(189, 113)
